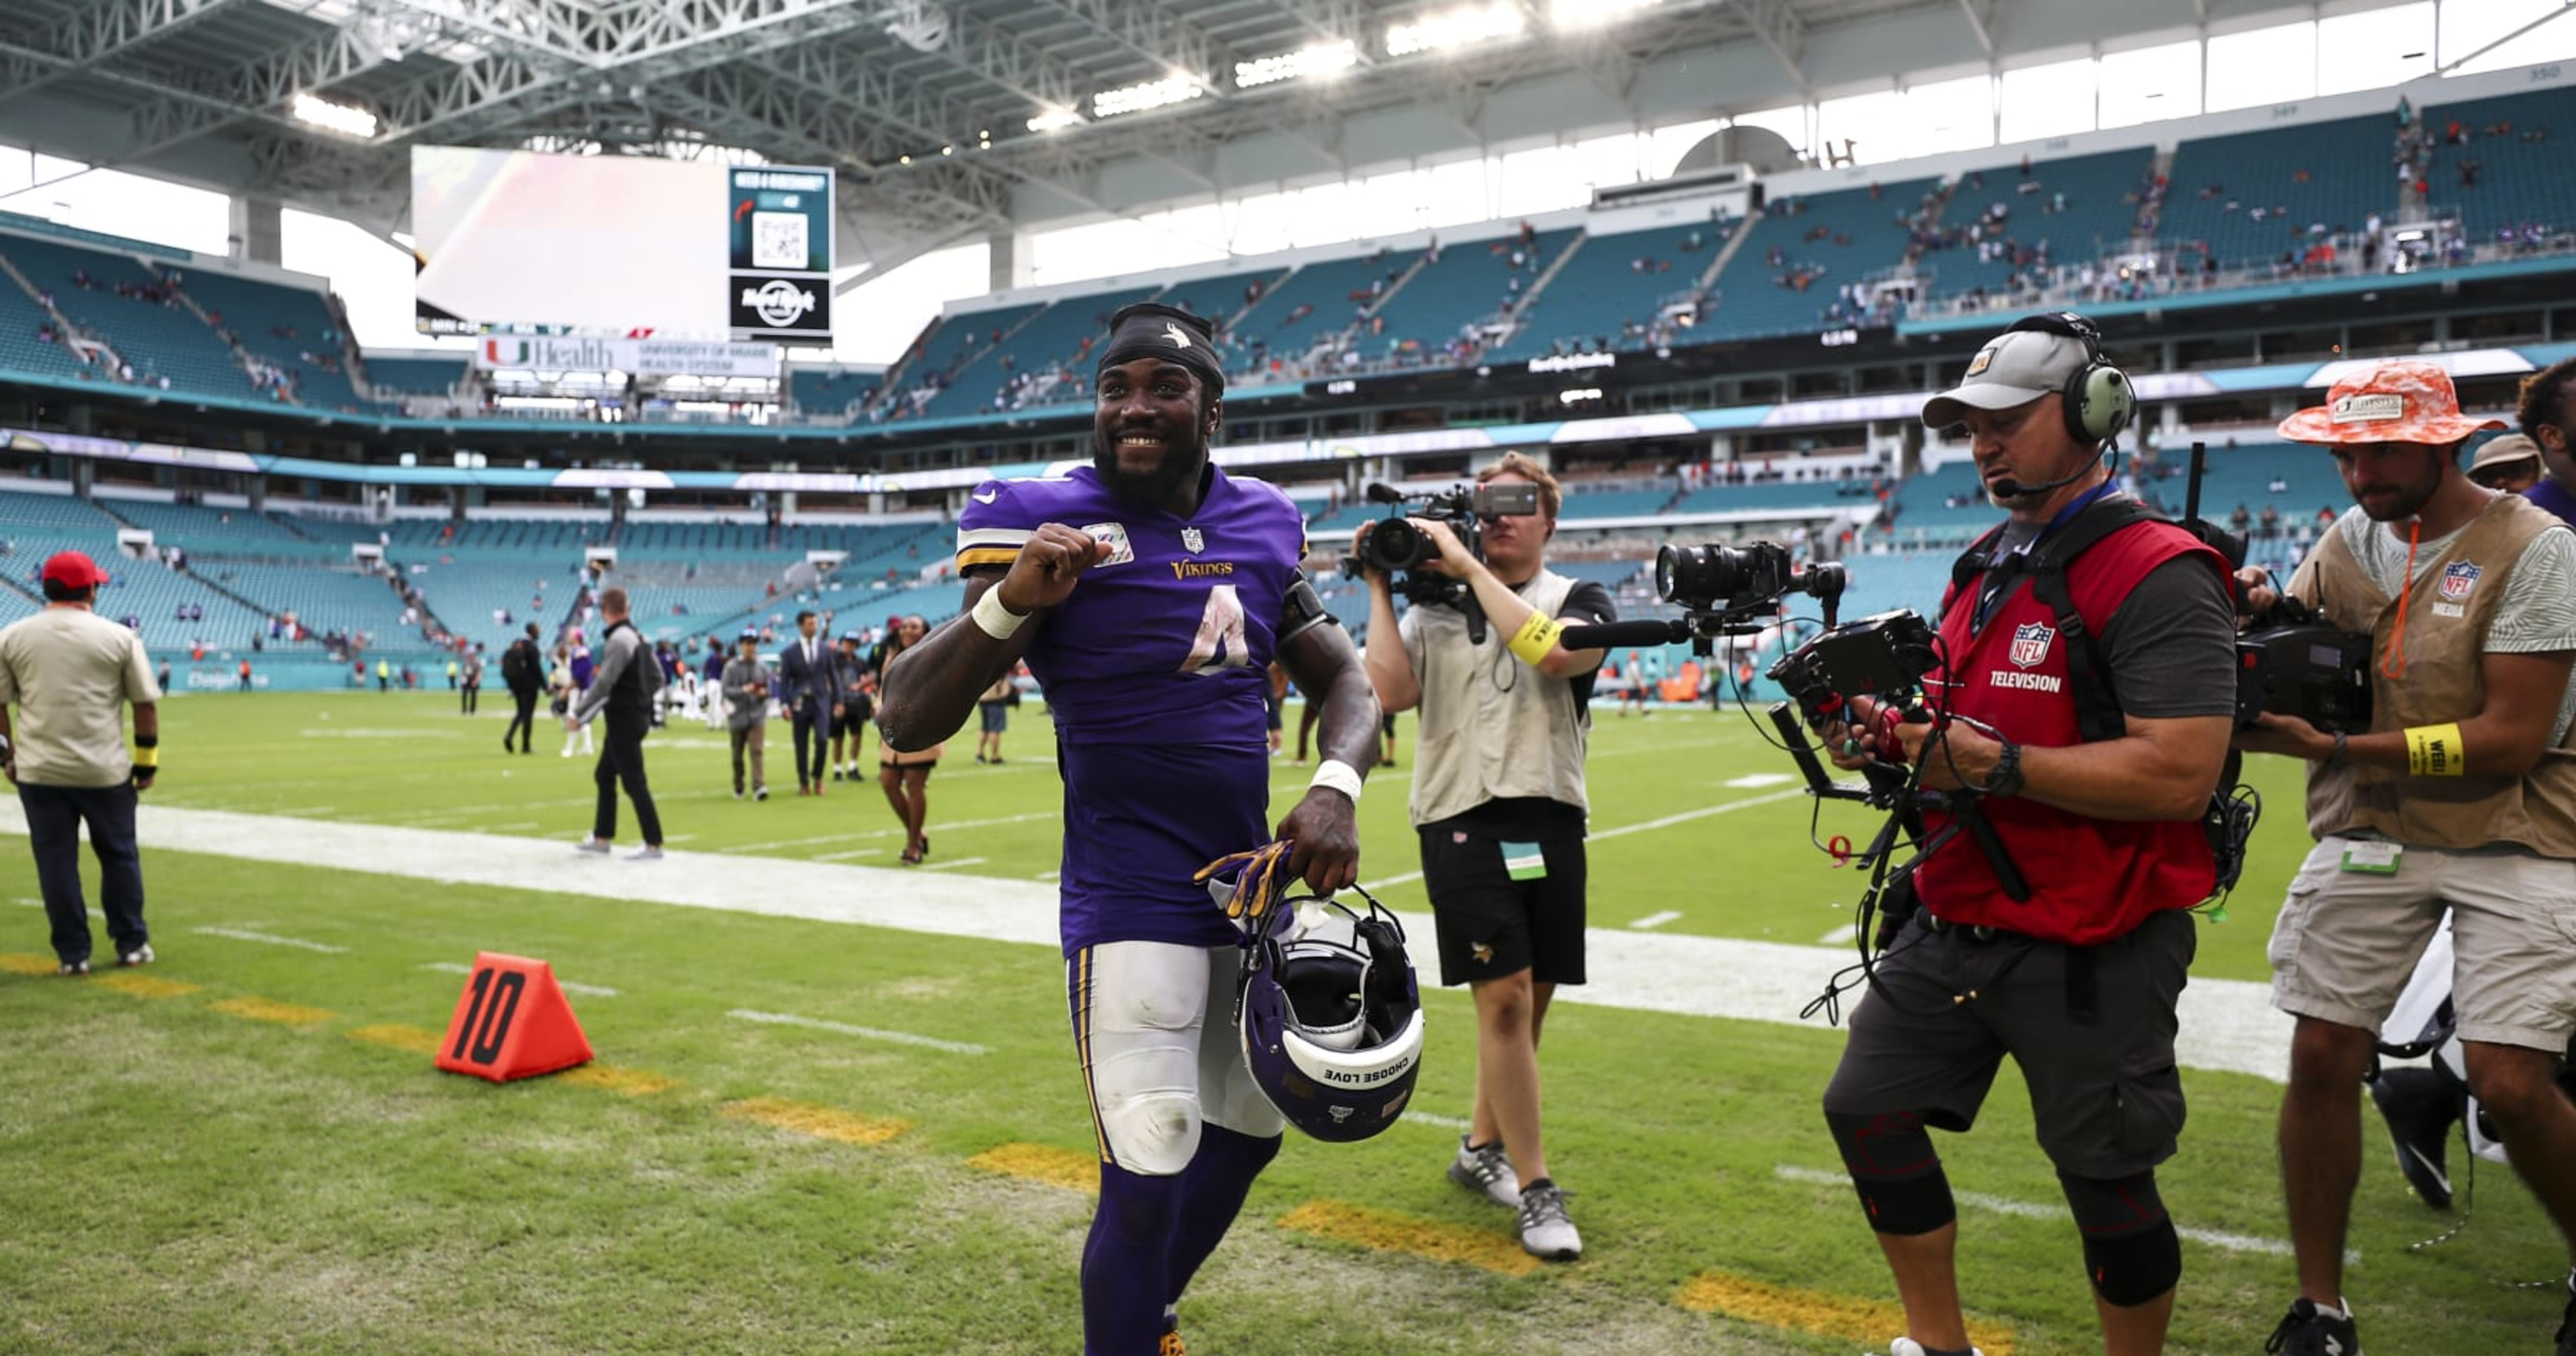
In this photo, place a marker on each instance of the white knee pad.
(1153, 1023)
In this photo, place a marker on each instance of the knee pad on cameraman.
(1895, 1170)
(2131, 1253)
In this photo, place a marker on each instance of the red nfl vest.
(2091, 880)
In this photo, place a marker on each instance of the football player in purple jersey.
(1148, 592)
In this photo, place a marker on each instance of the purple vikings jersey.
(1155, 670)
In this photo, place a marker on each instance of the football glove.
(1261, 880)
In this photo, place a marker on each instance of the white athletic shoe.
(1487, 1172)
(597, 847)
(1546, 1232)
(1907, 1346)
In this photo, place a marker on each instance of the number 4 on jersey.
(1219, 644)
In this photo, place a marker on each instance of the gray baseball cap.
(2014, 368)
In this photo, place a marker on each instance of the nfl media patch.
(1121, 551)
(2030, 643)
(2459, 578)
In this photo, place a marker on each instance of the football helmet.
(1331, 1018)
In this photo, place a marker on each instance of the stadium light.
(1054, 120)
(1573, 14)
(1169, 90)
(1458, 27)
(341, 118)
(1322, 60)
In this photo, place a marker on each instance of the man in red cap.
(70, 672)
(2459, 798)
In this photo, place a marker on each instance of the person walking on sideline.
(624, 688)
(523, 671)
(745, 686)
(69, 673)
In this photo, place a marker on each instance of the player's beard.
(1181, 465)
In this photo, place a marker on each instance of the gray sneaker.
(1546, 1232)
(1488, 1172)
(597, 847)
(648, 853)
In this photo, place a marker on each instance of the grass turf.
(184, 1177)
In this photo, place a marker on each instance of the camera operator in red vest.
(2461, 796)
(2082, 709)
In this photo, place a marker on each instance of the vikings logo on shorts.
(2458, 579)
(2030, 643)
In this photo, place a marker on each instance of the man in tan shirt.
(69, 673)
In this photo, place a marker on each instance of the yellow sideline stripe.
(822, 1122)
(419, 1040)
(20, 963)
(1388, 1231)
(1041, 1163)
(267, 1010)
(145, 986)
(1826, 1315)
(619, 1078)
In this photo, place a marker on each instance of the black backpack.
(516, 670)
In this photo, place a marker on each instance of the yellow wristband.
(1536, 637)
(2435, 751)
(147, 757)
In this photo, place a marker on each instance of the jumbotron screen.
(514, 240)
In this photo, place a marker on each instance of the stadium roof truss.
(925, 106)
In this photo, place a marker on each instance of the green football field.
(810, 1136)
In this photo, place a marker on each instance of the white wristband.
(996, 620)
(1340, 776)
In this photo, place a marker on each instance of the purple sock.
(1212, 1192)
(1124, 1260)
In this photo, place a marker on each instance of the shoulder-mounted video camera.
(1396, 547)
(2298, 664)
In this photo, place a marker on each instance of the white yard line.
(848, 856)
(867, 1032)
(1656, 920)
(2227, 1025)
(266, 939)
(951, 866)
(585, 990)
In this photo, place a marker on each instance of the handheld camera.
(1399, 549)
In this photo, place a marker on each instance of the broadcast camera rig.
(2297, 665)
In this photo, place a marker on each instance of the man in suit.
(806, 669)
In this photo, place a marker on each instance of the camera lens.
(1396, 545)
(1697, 574)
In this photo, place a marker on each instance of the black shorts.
(1491, 925)
(2105, 1096)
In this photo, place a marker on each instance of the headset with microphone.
(2096, 400)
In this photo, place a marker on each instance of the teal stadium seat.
(1755, 298)
(2100, 217)
(1590, 303)
(2522, 181)
(2332, 173)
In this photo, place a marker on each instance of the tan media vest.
(2444, 681)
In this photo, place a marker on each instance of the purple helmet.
(1331, 1020)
